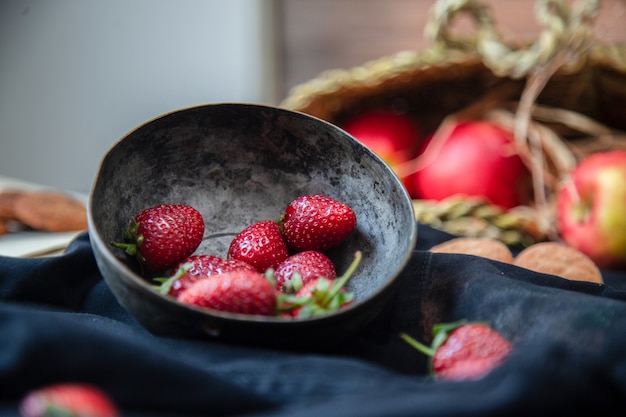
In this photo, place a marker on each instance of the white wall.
(76, 75)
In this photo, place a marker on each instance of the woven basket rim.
(332, 84)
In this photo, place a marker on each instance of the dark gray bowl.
(238, 164)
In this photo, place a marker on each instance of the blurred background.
(76, 75)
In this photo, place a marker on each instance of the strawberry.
(302, 267)
(320, 296)
(240, 291)
(195, 268)
(261, 245)
(463, 351)
(162, 236)
(316, 222)
(68, 399)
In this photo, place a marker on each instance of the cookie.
(479, 246)
(4, 226)
(7, 203)
(559, 259)
(50, 211)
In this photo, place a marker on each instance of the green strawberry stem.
(270, 276)
(130, 238)
(339, 283)
(440, 332)
(166, 283)
(129, 248)
(288, 302)
(326, 296)
(294, 283)
(132, 242)
(417, 345)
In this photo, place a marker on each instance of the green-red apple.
(591, 208)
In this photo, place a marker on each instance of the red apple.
(394, 137)
(476, 158)
(591, 208)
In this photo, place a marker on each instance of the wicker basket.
(563, 95)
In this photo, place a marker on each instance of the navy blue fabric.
(59, 322)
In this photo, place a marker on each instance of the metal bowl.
(237, 164)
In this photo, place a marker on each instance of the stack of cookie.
(43, 210)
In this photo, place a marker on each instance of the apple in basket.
(473, 158)
(394, 137)
(591, 208)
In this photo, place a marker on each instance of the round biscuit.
(478, 246)
(559, 259)
(7, 203)
(4, 226)
(50, 211)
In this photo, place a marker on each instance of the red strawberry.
(316, 222)
(320, 296)
(195, 268)
(239, 291)
(261, 245)
(68, 399)
(463, 351)
(301, 268)
(162, 236)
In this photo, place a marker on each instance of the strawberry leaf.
(166, 283)
(327, 295)
(289, 302)
(269, 275)
(441, 332)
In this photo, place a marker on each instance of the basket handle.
(567, 30)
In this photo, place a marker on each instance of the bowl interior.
(241, 163)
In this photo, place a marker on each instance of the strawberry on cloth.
(68, 400)
(464, 351)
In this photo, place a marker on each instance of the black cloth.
(59, 322)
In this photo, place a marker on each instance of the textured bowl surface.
(238, 164)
